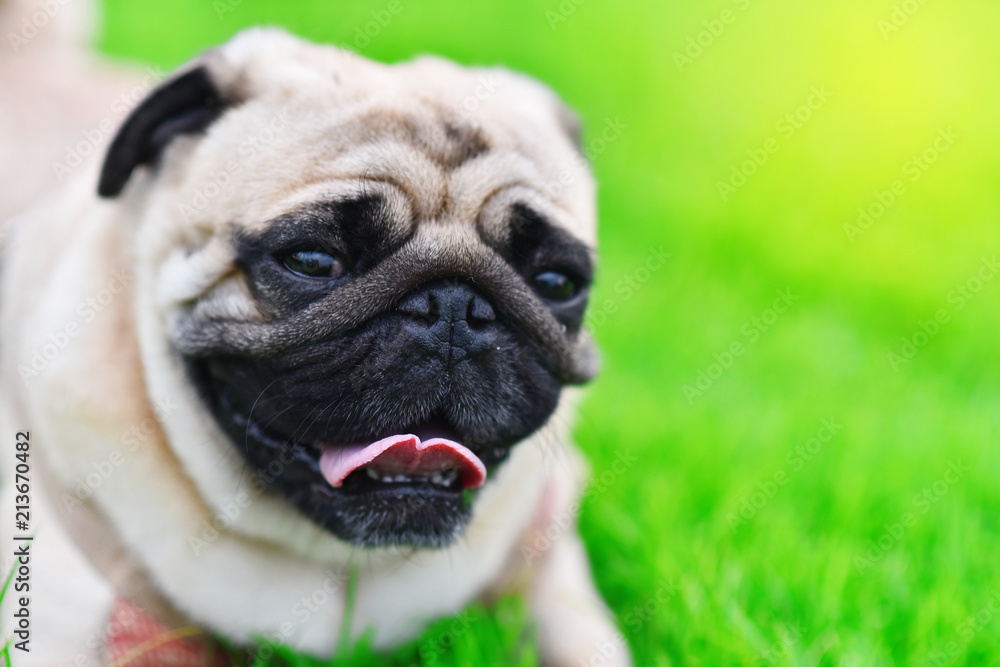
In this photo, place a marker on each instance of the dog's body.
(189, 381)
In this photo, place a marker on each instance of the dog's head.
(372, 277)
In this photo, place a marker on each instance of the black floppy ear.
(184, 105)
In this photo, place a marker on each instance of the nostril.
(422, 306)
(449, 303)
(480, 312)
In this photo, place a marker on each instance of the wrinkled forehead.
(407, 135)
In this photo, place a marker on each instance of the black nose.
(450, 317)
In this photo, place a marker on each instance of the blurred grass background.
(819, 569)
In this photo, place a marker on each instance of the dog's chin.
(418, 514)
(366, 509)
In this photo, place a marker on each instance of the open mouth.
(426, 456)
(410, 484)
(403, 459)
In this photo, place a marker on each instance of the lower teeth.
(445, 478)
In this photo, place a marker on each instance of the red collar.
(136, 639)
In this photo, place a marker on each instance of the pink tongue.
(403, 455)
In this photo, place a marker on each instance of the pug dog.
(301, 355)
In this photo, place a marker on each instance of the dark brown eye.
(555, 286)
(313, 264)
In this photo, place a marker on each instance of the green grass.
(7, 641)
(786, 586)
(499, 635)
